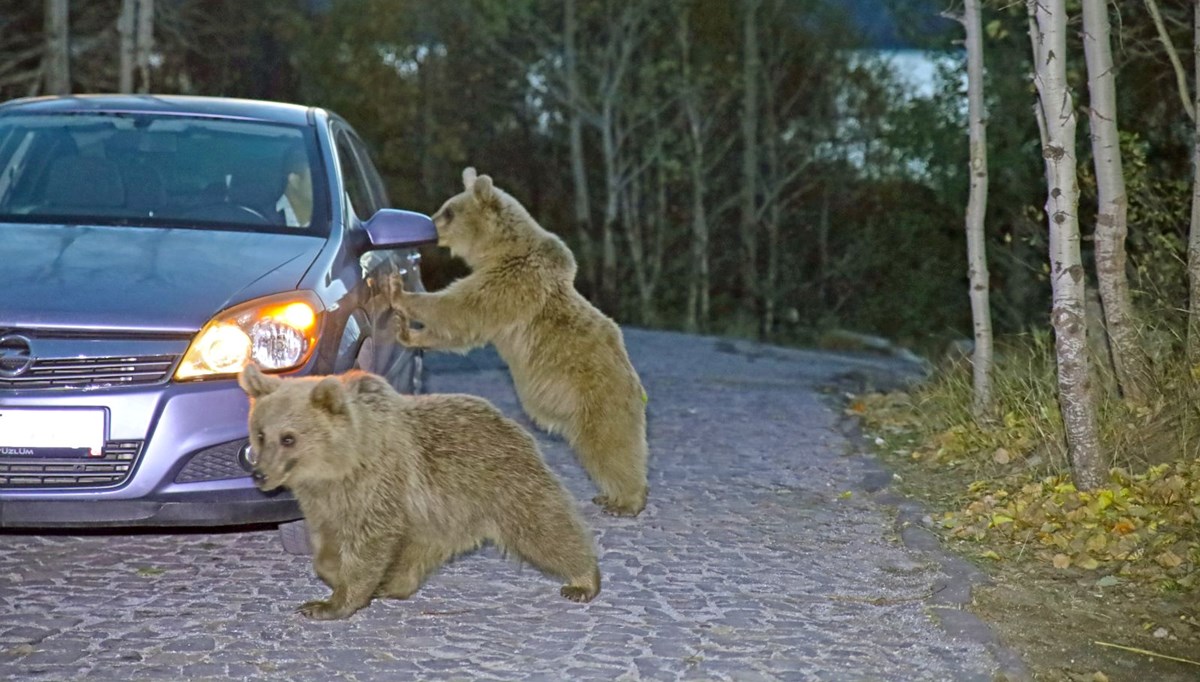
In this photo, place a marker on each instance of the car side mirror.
(392, 228)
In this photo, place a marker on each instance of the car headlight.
(276, 332)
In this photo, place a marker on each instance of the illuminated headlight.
(277, 332)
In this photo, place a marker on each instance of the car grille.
(109, 470)
(92, 372)
(214, 464)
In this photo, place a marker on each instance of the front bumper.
(223, 508)
(176, 424)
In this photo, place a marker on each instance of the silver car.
(149, 248)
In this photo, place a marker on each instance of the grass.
(1003, 485)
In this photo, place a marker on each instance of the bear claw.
(616, 508)
(320, 609)
(577, 594)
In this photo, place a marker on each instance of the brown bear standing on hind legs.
(568, 360)
(393, 486)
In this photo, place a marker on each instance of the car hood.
(139, 278)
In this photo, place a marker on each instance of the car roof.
(178, 105)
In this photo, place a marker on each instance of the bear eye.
(260, 436)
(287, 440)
(448, 214)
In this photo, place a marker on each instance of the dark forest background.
(748, 167)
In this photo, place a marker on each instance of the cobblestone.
(761, 556)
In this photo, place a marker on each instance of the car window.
(374, 182)
(354, 179)
(165, 170)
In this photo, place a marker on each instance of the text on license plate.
(31, 432)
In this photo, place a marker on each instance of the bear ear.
(255, 383)
(468, 178)
(329, 395)
(483, 190)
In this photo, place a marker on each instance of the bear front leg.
(414, 561)
(326, 557)
(360, 573)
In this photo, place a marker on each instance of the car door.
(378, 350)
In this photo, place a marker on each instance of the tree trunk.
(748, 225)
(633, 221)
(583, 207)
(58, 48)
(1129, 361)
(977, 266)
(1193, 331)
(696, 315)
(126, 28)
(1056, 116)
(609, 298)
(774, 214)
(145, 42)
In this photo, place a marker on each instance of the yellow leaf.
(1168, 559)
(846, 495)
(1088, 563)
(1000, 520)
(991, 554)
(1104, 499)
(1061, 561)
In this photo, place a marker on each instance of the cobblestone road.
(762, 555)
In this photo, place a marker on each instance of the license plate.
(26, 432)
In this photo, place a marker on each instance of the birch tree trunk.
(748, 224)
(1193, 331)
(126, 29)
(1129, 361)
(583, 207)
(696, 317)
(144, 42)
(774, 213)
(608, 298)
(57, 59)
(977, 267)
(1056, 117)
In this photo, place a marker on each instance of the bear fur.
(568, 360)
(392, 486)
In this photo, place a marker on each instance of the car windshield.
(160, 170)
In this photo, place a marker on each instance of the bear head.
(301, 429)
(473, 223)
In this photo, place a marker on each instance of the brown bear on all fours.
(392, 486)
(568, 360)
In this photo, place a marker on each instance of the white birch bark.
(977, 268)
(1129, 361)
(144, 42)
(583, 206)
(1056, 113)
(57, 69)
(126, 29)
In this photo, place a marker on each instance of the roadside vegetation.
(1076, 573)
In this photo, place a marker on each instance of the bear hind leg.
(615, 459)
(559, 548)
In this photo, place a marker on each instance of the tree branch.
(1180, 76)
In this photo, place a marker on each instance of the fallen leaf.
(1062, 561)
(1168, 559)
(1001, 456)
